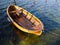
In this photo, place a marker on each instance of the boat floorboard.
(24, 22)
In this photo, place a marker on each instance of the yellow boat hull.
(39, 32)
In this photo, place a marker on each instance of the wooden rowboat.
(24, 20)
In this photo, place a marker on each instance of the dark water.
(48, 11)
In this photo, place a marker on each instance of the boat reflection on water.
(22, 37)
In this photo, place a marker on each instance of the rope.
(55, 34)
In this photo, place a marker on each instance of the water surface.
(48, 11)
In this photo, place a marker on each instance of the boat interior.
(21, 19)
